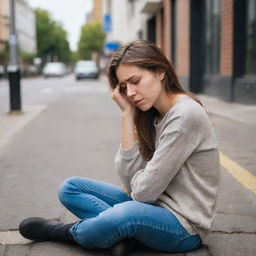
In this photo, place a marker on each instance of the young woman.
(168, 163)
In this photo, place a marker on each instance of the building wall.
(128, 23)
(4, 20)
(166, 28)
(229, 82)
(136, 20)
(244, 77)
(26, 27)
(117, 12)
(96, 15)
(226, 58)
(119, 21)
(182, 49)
(233, 83)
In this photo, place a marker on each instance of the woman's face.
(141, 86)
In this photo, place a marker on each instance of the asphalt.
(45, 144)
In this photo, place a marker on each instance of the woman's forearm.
(127, 130)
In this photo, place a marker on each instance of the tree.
(27, 57)
(62, 49)
(52, 43)
(4, 53)
(91, 40)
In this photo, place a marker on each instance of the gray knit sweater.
(183, 174)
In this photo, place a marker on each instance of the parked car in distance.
(86, 69)
(54, 69)
(28, 71)
(1, 71)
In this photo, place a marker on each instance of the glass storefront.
(212, 36)
(251, 37)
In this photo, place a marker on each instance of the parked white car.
(54, 69)
(86, 69)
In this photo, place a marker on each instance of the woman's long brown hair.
(146, 55)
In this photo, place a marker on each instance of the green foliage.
(27, 57)
(51, 38)
(91, 40)
(4, 53)
(75, 57)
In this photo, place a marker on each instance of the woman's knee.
(68, 187)
(127, 210)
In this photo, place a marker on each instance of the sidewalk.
(238, 112)
(66, 119)
(11, 124)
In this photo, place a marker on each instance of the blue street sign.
(107, 23)
(112, 46)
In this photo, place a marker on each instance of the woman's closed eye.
(135, 81)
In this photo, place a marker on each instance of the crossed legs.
(108, 215)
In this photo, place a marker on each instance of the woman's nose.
(130, 91)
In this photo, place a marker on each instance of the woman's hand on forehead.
(121, 99)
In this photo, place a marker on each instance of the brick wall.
(166, 28)
(226, 42)
(182, 30)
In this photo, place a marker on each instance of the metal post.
(13, 67)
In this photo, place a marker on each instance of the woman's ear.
(161, 74)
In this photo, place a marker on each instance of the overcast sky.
(70, 13)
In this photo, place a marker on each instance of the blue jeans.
(109, 215)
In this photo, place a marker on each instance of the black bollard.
(15, 91)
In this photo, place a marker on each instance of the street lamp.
(13, 67)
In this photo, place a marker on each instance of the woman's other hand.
(124, 188)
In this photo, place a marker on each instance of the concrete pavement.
(234, 111)
(77, 135)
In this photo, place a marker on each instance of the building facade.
(212, 44)
(96, 15)
(4, 23)
(123, 20)
(25, 26)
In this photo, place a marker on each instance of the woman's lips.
(137, 102)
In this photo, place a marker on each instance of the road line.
(247, 179)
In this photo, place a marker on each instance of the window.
(251, 37)
(212, 36)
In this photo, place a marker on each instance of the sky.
(70, 13)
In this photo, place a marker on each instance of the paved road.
(76, 134)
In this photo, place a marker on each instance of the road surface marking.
(247, 179)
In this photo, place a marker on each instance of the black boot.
(128, 246)
(39, 229)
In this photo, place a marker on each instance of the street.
(76, 133)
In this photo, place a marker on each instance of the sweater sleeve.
(127, 163)
(178, 140)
